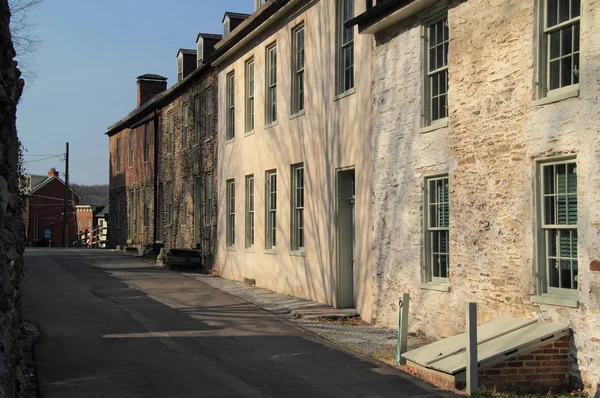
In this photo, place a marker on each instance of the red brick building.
(44, 208)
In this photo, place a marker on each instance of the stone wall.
(12, 230)
(494, 135)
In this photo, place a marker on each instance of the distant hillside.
(92, 194)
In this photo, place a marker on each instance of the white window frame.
(544, 32)
(250, 213)
(345, 43)
(249, 95)
(546, 293)
(170, 128)
(298, 60)
(226, 27)
(185, 131)
(199, 52)
(271, 211)
(298, 200)
(230, 206)
(430, 230)
(271, 84)
(209, 113)
(208, 199)
(230, 106)
(440, 119)
(180, 68)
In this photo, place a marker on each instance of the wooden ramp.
(497, 341)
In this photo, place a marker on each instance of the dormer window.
(226, 27)
(180, 68)
(199, 52)
(258, 4)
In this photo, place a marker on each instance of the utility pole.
(65, 222)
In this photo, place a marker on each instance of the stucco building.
(485, 165)
(294, 159)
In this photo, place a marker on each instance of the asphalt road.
(115, 326)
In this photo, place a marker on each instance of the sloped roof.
(104, 212)
(234, 15)
(41, 181)
(209, 36)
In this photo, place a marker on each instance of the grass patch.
(485, 393)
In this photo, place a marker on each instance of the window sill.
(344, 94)
(557, 95)
(146, 161)
(230, 141)
(268, 126)
(297, 114)
(249, 250)
(438, 124)
(271, 251)
(555, 300)
(438, 286)
(209, 139)
(230, 248)
(298, 253)
(249, 133)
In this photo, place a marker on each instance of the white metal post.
(403, 306)
(471, 348)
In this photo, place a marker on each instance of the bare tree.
(25, 40)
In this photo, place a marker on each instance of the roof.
(210, 36)
(497, 341)
(234, 15)
(105, 210)
(38, 181)
(150, 76)
(186, 51)
(386, 13)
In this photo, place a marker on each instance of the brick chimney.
(148, 86)
(53, 172)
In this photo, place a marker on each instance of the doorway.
(345, 233)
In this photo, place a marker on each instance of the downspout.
(155, 196)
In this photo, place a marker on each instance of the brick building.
(44, 208)
(485, 165)
(163, 159)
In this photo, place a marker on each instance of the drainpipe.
(155, 196)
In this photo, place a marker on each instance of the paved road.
(115, 326)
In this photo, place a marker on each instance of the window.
(559, 45)
(146, 207)
(345, 40)
(186, 121)
(170, 132)
(230, 213)
(197, 119)
(557, 235)
(118, 212)
(298, 207)
(436, 71)
(118, 155)
(209, 112)
(437, 229)
(137, 213)
(249, 211)
(169, 203)
(131, 215)
(184, 210)
(230, 86)
(131, 146)
(258, 4)
(225, 28)
(298, 69)
(271, 216)
(271, 95)
(199, 52)
(208, 201)
(147, 142)
(250, 95)
(180, 68)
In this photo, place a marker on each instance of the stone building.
(294, 157)
(163, 157)
(485, 165)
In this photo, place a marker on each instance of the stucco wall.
(332, 134)
(488, 149)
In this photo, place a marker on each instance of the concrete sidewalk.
(336, 325)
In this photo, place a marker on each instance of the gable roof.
(104, 212)
(42, 181)
(209, 36)
(234, 15)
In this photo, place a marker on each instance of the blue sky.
(88, 61)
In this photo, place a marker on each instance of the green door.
(345, 232)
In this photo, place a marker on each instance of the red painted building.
(44, 208)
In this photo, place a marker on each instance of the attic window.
(199, 52)
(226, 28)
(180, 68)
(258, 4)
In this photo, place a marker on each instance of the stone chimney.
(148, 86)
(53, 172)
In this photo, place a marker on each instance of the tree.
(22, 30)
